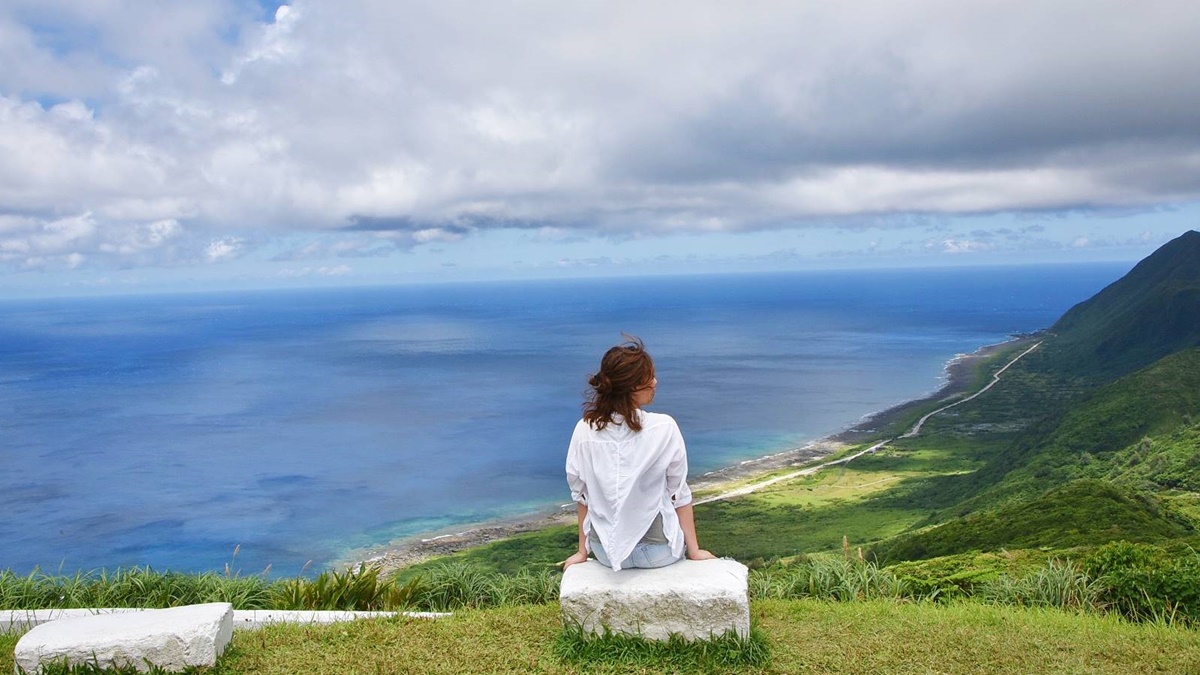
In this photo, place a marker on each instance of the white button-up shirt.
(628, 478)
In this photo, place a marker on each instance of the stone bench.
(696, 600)
(171, 639)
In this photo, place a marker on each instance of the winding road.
(911, 433)
(995, 378)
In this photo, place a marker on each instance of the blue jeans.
(643, 555)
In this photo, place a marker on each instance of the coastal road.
(995, 378)
(808, 471)
(911, 433)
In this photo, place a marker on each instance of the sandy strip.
(960, 375)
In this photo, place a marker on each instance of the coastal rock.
(697, 600)
(171, 639)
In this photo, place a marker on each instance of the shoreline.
(401, 553)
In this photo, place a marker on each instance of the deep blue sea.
(166, 430)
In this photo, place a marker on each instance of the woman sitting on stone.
(627, 470)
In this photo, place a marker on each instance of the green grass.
(827, 577)
(574, 647)
(886, 637)
(536, 551)
(1166, 462)
(1080, 513)
(959, 575)
(803, 636)
(749, 529)
(133, 587)
(441, 586)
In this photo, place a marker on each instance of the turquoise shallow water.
(166, 430)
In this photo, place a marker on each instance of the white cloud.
(426, 122)
(386, 191)
(142, 237)
(432, 234)
(324, 271)
(273, 44)
(223, 249)
(955, 246)
(335, 271)
(72, 241)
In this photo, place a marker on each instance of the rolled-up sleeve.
(677, 487)
(574, 478)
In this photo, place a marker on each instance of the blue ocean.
(302, 425)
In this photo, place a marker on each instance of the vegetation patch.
(531, 551)
(957, 576)
(1080, 513)
(1147, 583)
(827, 577)
(886, 636)
(133, 587)
(623, 653)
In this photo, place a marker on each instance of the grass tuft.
(456, 585)
(1060, 585)
(355, 589)
(615, 651)
(826, 578)
(131, 587)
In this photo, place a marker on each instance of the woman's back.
(627, 470)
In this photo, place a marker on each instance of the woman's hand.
(700, 554)
(578, 557)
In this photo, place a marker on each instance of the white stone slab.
(20, 620)
(253, 619)
(172, 639)
(694, 599)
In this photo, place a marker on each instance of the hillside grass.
(800, 636)
(1080, 513)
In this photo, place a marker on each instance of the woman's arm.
(680, 493)
(580, 555)
(687, 522)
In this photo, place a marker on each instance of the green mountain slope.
(1137, 428)
(1151, 312)
(1095, 434)
(1082, 512)
(1079, 441)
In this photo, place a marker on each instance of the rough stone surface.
(20, 620)
(172, 639)
(697, 600)
(253, 619)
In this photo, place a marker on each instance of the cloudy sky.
(232, 143)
